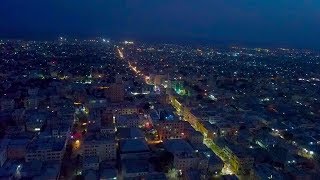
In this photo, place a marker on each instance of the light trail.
(120, 53)
(134, 68)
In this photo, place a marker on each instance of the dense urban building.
(103, 109)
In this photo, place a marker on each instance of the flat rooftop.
(177, 146)
(133, 146)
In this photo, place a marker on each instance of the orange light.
(147, 125)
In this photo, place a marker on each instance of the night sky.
(294, 23)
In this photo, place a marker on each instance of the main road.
(208, 142)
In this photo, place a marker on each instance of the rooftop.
(51, 144)
(129, 133)
(135, 165)
(133, 146)
(177, 145)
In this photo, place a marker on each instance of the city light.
(128, 42)
(120, 53)
(311, 152)
(188, 106)
(103, 87)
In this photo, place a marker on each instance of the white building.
(185, 161)
(184, 155)
(46, 149)
(101, 146)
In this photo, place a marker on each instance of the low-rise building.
(61, 131)
(184, 155)
(121, 109)
(168, 125)
(170, 129)
(99, 145)
(194, 136)
(108, 129)
(129, 120)
(46, 149)
(134, 148)
(185, 160)
(129, 133)
(134, 168)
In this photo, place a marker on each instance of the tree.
(172, 174)
(166, 160)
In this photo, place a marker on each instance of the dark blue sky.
(275, 22)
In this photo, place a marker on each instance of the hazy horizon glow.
(293, 23)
